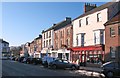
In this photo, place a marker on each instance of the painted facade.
(89, 34)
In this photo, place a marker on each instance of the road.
(16, 69)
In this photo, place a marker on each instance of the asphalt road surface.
(15, 69)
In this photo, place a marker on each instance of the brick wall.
(64, 37)
(111, 41)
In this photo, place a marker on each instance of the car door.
(116, 69)
(59, 63)
(66, 64)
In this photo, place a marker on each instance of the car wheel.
(73, 67)
(109, 74)
(54, 66)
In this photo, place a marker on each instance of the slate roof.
(114, 20)
(5, 42)
(95, 10)
(58, 25)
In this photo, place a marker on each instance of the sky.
(24, 21)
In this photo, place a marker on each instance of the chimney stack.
(88, 7)
(68, 19)
(54, 24)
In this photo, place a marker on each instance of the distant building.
(5, 49)
(38, 46)
(112, 39)
(34, 48)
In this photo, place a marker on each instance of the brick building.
(63, 32)
(112, 38)
(36, 47)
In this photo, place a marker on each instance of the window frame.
(77, 40)
(118, 30)
(80, 24)
(87, 20)
(49, 34)
(112, 32)
(99, 17)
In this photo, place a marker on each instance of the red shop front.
(92, 54)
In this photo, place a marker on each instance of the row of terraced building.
(93, 37)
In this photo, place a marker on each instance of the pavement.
(93, 69)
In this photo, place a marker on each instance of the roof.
(40, 36)
(114, 20)
(5, 42)
(48, 29)
(95, 10)
(61, 24)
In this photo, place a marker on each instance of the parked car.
(17, 58)
(33, 61)
(36, 61)
(58, 63)
(29, 60)
(21, 59)
(46, 60)
(12, 58)
(111, 69)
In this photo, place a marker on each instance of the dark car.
(36, 61)
(33, 61)
(63, 64)
(17, 58)
(111, 69)
(21, 59)
(29, 60)
(13, 58)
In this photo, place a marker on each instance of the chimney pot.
(89, 7)
(54, 24)
(68, 19)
